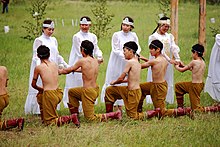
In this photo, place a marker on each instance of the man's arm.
(122, 79)
(148, 64)
(74, 68)
(182, 68)
(34, 81)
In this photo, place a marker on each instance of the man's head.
(131, 45)
(130, 49)
(43, 52)
(156, 44)
(87, 47)
(199, 49)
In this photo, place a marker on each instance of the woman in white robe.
(212, 85)
(170, 50)
(31, 105)
(75, 80)
(117, 60)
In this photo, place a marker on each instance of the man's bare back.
(48, 71)
(90, 68)
(158, 67)
(134, 72)
(3, 80)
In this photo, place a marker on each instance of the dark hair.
(47, 21)
(155, 44)
(131, 45)
(130, 20)
(88, 47)
(162, 18)
(43, 52)
(199, 49)
(87, 18)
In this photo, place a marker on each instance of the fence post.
(202, 22)
(174, 19)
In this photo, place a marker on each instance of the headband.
(197, 51)
(130, 48)
(164, 21)
(85, 21)
(51, 25)
(127, 22)
(154, 45)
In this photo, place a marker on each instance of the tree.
(102, 19)
(37, 11)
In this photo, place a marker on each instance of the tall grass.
(16, 53)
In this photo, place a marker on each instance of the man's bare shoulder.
(3, 68)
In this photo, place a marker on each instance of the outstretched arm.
(74, 68)
(34, 81)
(122, 78)
(182, 68)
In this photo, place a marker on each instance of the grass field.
(16, 53)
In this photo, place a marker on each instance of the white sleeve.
(116, 46)
(60, 59)
(97, 51)
(174, 48)
(35, 58)
(76, 43)
(137, 41)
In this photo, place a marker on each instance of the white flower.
(35, 14)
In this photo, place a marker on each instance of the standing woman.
(170, 50)
(31, 105)
(117, 60)
(75, 79)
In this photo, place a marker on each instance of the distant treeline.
(212, 2)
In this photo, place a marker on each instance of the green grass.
(16, 53)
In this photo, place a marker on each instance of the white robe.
(75, 80)
(31, 105)
(117, 61)
(212, 85)
(170, 49)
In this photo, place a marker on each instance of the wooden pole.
(174, 19)
(202, 22)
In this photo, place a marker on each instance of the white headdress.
(51, 25)
(85, 21)
(127, 22)
(164, 21)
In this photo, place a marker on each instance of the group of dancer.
(122, 84)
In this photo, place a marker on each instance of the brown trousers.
(48, 101)
(131, 99)
(193, 89)
(4, 100)
(158, 92)
(88, 97)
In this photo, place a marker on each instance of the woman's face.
(48, 31)
(126, 28)
(84, 27)
(164, 28)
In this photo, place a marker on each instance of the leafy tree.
(102, 19)
(164, 6)
(37, 11)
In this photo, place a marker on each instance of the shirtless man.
(195, 87)
(158, 87)
(4, 100)
(49, 95)
(89, 67)
(130, 94)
